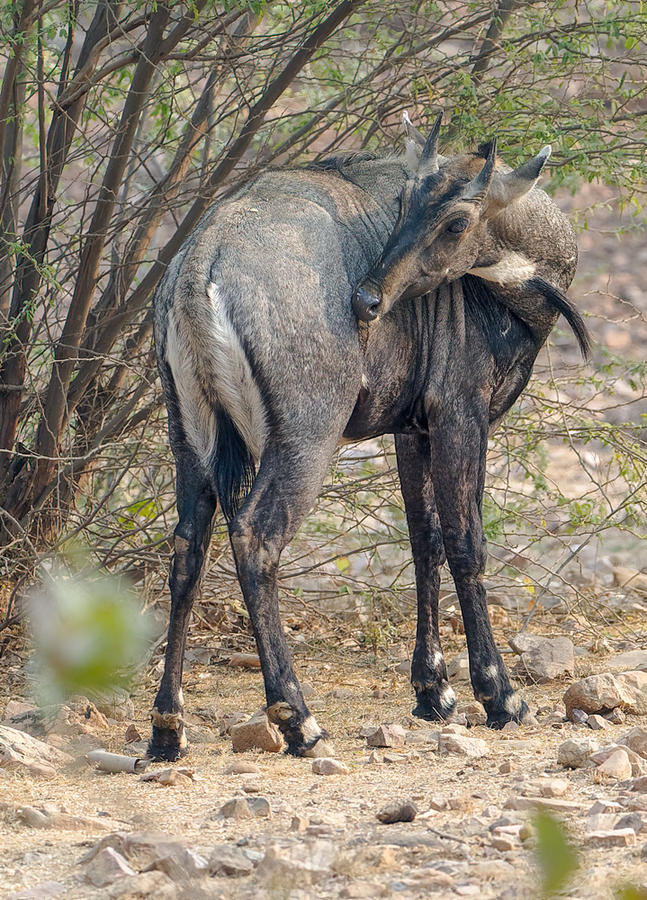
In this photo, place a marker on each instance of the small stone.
(616, 766)
(616, 716)
(387, 736)
(132, 734)
(596, 693)
(503, 843)
(246, 808)
(475, 713)
(597, 723)
(245, 661)
(455, 728)
(632, 660)
(635, 685)
(474, 748)
(638, 764)
(543, 659)
(575, 753)
(617, 837)
(506, 767)
(302, 863)
(169, 777)
(633, 820)
(552, 787)
(398, 811)
(181, 864)
(639, 784)
(578, 717)
(227, 722)
(636, 740)
(257, 733)
(242, 768)
(325, 765)
(298, 823)
(511, 726)
(601, 807)
(458, 668)
(363, 890)
(373, 757)
(379, 694)
(143, 886)
(104, 868)
(19, 750)
(228, 860)
(556, 804)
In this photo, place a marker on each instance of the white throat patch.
(513, 268)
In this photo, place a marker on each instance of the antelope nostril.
(366, 305)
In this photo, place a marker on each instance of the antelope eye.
(457, 226)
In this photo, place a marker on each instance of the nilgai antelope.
(265, 370)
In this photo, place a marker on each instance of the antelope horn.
(429, 156)
(511, 185)
(478, 187)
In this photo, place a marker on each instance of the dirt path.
(450, 849)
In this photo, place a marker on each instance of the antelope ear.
(479, 186)
(509, 186)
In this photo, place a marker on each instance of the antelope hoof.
(511, 709)
(435, 702)
(302, 734)
(168, 741)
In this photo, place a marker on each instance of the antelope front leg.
(459, 451)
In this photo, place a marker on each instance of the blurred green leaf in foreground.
(89, 633)
(557, 858)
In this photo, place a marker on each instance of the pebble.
(616, 837)
(303, 863)
(638, 764)
(595, 693)
(543, 659)
(474, 748)
(132, 734)
(19, 750)
(398, 811)
(603, 806)
(458, 668)
(326, 765)
(104, 868)
(182, 777)
(146, 884)
(246, 808)
(387, 736)
(242, 768)
(636, 740)
(579, 717)
(503, 843)
(632, 820)
(635, 685)
(521, 803)
(630, 660)
(575, 752)
(616, 766)
(228, 860)
(257, 733)
(597, 722)
(475, 713)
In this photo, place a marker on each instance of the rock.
(632, 660)
(245, 661)
(616, 766)
(106, 867)
(634, 820)
(474, 748)
(181, 864)
(257, 733)
(116, 703)
(228, 860)
(404, 667)
(616, 716)
(302, 863)
(132, 734)
(600, 807)
(639, 784)
(143, 887)
(543, 659)
(455, 728)
(242, 768)
(183, 777)
(638, 764)
(200, 734)
(556, 804)
(597, 723)
(325, 765)
(48, 816)
(506, 767)
(16, 708)
(19, 750)
(475, 713)
(575, 753)
(632, 579)
(246, 808)
(552, 787)
(635, 685)
(596, 693)
(363, 890)
(387, 736)
(636, 740)
(397, 811)
(616, 837)
(227, 722)
(504, 843)
(579, 717)
(299, 823)
(458, 668)
(40, 891)
(423, 736)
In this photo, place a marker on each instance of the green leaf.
(556, 857)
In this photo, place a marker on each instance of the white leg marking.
(513, 704)
(310, 729)
(437, 659)
(447, 697)
(492, 672)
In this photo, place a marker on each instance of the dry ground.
(447, 852)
